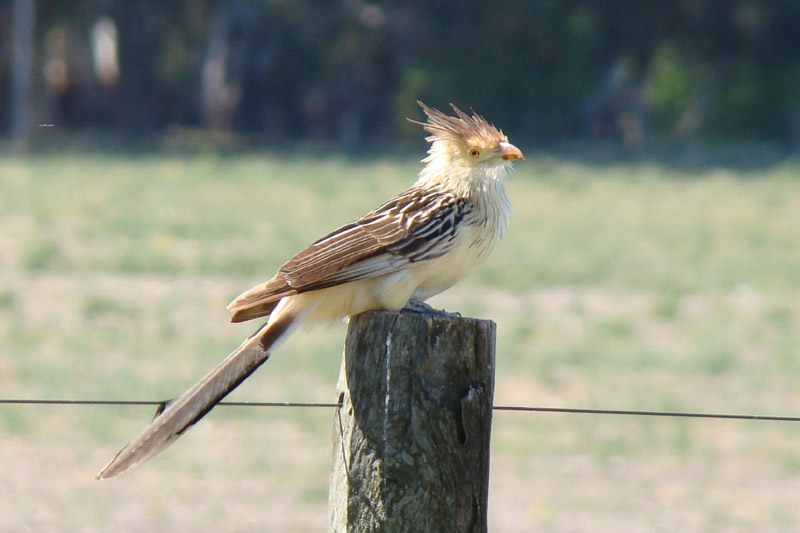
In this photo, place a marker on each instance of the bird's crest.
(462, 128)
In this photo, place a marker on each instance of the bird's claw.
(422, 308)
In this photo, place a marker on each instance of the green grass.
(630, 285)
(634, 225)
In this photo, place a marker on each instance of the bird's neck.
(465, 180)
(481, 185)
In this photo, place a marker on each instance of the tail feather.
(195, 403)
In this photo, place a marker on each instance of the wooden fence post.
(411, 440)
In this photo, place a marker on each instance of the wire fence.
(516, 408)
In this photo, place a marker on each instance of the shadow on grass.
(735, 155)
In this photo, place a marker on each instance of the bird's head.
(466, 142)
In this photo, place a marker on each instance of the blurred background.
(349, 72)
(157, 158)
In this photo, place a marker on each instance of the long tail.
(195, 403)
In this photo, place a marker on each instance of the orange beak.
(509, 152)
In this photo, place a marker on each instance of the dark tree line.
(350, 70)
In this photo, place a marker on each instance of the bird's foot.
(422, 308)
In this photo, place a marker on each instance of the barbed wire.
(513, 408)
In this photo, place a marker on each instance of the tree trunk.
(21, 72)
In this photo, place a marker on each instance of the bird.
(412, 247)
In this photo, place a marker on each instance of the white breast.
(476, 238)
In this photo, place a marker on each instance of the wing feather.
(417, 225)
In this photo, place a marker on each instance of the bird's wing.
(417, 225)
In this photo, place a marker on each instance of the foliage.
(351, 71)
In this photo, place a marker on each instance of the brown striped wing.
(417, 225)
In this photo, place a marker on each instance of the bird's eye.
(474, 152)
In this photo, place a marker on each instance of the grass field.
(628, 285)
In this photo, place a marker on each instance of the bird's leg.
(415, 306)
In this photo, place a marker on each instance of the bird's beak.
(509, 152)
